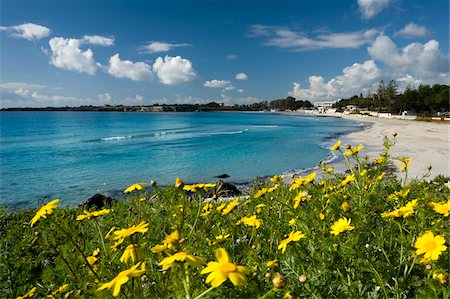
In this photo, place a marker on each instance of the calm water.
(73, 155)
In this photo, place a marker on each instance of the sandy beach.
(426, 143)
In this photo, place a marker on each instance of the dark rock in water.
(99, 201)
(222, 176)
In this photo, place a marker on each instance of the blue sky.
(58, 53)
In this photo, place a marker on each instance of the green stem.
(101, 236)
(204, 293)
(272, 290)
(186, 283)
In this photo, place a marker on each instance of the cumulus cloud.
(232, 57)
(173, 70)
(155, 47)
(412, 30)
(425, 60)
(300, 41)
(241, 76)
(136, 71)
(217, 83)
(98, 40)
(66, 54)
(28, 31)
(354, 79)
(370, 8)
(240, 90)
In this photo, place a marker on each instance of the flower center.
(228, 267)
(430, 245)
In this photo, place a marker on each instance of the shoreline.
(426, 143)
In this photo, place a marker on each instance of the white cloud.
(173, 70)
(18, 85)
(412, 30)
(136, 71)
(425, 60)
(240, 90)
(217, 83)
(241, 76)
(300, 41)
(106, 97)
(370, 8)
(232, 57)
(98, 40)
(66, 54)
(355, 79)
(28, 31)
(155, 47)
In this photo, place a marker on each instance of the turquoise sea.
(73, 155)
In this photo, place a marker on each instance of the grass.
(376, 258)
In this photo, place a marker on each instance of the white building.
(323, 107)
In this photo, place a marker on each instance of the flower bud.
(153, 183)
(302, 278)
(278, 281)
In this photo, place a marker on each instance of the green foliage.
(425, 99)
(376, 259)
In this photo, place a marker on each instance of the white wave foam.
(266, 126)
(227, 133)
(114, 138)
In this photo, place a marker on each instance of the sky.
(72, 53)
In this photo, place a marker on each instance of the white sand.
(426, 143)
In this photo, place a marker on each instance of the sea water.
(73, 155)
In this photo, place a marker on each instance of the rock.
(99, 201)
(222, 176)
(227, 190)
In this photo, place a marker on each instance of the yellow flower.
(293, 237)
(194, 188)
(441, 208)
(430, 246)
(219, 239)
(442, 277)
(44, 211)
(353, 151)
(122, 278)
(309, 178)
(230, 207)
(259, 208)
(160, 248)
(96, 252)
(89, 215)
(340, 226)
(182, 257)
(405, 162)
(134, 187)
(179, 183)
(292, 222)
(250, 221)
(108, 235)
(336, 145)
(381, 176)
(223, 269)
(322, 216)
(348, 179)
(59, 291)
(132, 252)
(126, 232)
(221, 207)
(92, 260)
(207, 209)
(172, 238)
(405, 211)
(29, 294)
(363, 173)
(398, 194)
(276, 178)
(272, 263)
(345, 207)
(302, 196)
(117, 243)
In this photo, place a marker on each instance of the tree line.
(424, 99)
